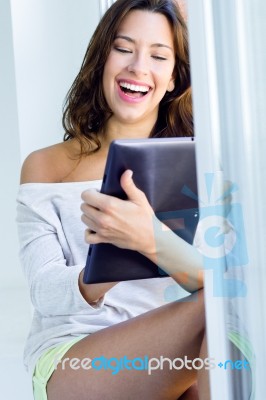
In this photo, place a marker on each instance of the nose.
(138, 65)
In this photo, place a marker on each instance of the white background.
(42, 44)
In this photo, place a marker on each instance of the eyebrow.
(129, 39)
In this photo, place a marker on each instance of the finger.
(90, 212)
(93, 238)
(89, 223)
(93, 198)
(100, 201)
(100, 223)
(90, 237)
(133, 193)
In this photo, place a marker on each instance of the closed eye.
(159, 58)
(122, 50)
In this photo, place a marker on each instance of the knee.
(198, 299)
(198, 305)
(191, 393)
(201, 302)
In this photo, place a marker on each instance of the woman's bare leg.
(191, 393)
(203, 376)
(172, 331)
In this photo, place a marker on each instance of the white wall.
(42, 43)
(10, 154)
(50, 39)
(14, 305)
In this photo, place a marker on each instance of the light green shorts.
(47, 362)
(46, 366)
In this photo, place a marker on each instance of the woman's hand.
(132, 224)
(123, 223)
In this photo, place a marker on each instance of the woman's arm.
(178, 258)
(132, 224)
(93, 292)
(55, 288)
(53, 277)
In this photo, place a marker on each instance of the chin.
(130, 119)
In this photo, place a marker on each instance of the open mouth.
(134, 91)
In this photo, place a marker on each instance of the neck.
(116, 130)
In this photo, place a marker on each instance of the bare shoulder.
(48, 165)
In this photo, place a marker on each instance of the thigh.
(172, 331)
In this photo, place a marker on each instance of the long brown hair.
(86, 110)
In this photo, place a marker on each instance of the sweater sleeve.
(53, 284)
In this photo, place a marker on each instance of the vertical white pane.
(104, 5)
(207, 122)
(228, 70)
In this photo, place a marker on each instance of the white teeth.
(134, 88)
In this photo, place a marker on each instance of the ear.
(171, 85)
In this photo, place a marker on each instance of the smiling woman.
(167, 52)
(134, 82)
(139, 71)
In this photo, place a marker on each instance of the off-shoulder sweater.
(53, 253)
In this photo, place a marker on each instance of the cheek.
(163, 76)
(114, 63)
(110, 72)
(106, 74)
(107, 79)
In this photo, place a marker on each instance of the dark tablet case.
(165, 170)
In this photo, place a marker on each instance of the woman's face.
(139, 68)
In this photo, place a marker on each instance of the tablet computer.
(165, 170)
